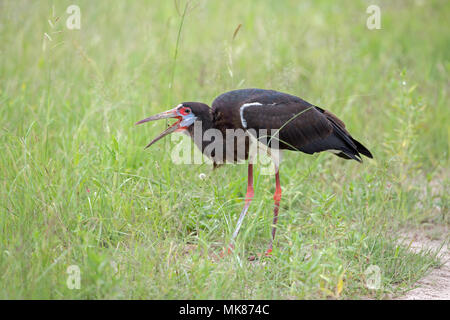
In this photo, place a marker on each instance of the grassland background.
(77, 188)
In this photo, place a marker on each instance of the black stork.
(288, 120)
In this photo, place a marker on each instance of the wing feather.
(297, 124)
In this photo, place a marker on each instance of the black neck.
(196, 131)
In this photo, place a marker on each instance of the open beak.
(163, 115)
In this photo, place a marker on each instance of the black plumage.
(293, 123)
(302, 126)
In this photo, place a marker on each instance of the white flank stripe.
(334, 151)
(241, 110)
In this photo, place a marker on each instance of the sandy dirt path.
(436, 284)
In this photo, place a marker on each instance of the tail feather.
(339, 141)
(361, 149)
(352, 148)
(354, 145)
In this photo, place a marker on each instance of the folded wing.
(300, 126)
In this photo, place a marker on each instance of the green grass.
(77, 187)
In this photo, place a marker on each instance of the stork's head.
(186, 113)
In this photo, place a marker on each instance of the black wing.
(301, 126)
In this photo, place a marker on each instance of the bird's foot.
(227, 251)
(268, 253)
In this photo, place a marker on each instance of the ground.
(86, 212)
(436, 284)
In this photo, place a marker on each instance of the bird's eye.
(185, 111)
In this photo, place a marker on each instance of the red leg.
(277, 199)
(248, 199)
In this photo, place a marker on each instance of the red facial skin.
(183, 111)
